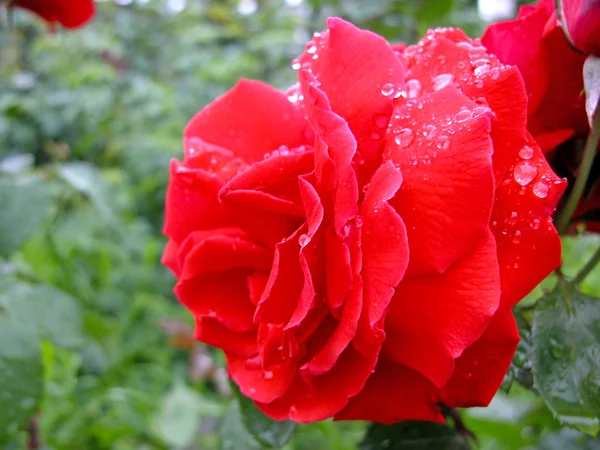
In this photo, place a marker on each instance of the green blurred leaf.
(234, 435)
(268, 432)
(42, 311)
(412, 435)
(520, 367)
(24, 202)
(566, 439)
(21, 376)
(566, 356)
(179, 418)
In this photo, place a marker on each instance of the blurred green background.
(88, 123)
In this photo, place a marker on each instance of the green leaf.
(566, 356)
(520, 367)
(180, 415)
(24, 202)
(21, 376)
(412, 435)
(591, 81)
(42, 311)
(234, 434)
(566, 439)
(268, 432)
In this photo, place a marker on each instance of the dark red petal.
(220, 296)
(256, 285)
(528, 246)
(393, 393)
(441, 143)
(434, 318)
(582, 20)
(212, 332)
(327, 394)
(213, 159)
(192, 203)
(335, 147)
(258, 384)
(68, 13)
(251, 120)
(517, 42)
(481, 368)
(354, 67)
(385, 246)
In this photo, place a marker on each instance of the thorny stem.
(589, 153)
(588, 267)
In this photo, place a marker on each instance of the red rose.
(356, 246)
(582, 23)
(552, 71)
(69, 13)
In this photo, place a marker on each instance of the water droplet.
(387, 89)
(303, 240)
(526, 152)
(463, 116)
(404, 137)
(524, 172)
(375, 136)
(429, 131)
(481, 70)
(516, 237)
(293, 409)
(540, 189)
(268, 375)
(413, 88)
(252, 391)
(293, 97)
(441, 81)
(311, 48)
(479, 84)
(358, 221)
(296, 65)
(535, 224)
(514, 218)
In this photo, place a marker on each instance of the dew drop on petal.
(526, 152)
(540, 189)
(524, 172)
(413, 88)
(311, 47)
(404, 137)
(382, 121)
(516, 237)
(463, 116)
(296, 65)
(441, 81)
(268, 375)
(387, 89)
(481, 70)
(303, 240)
(535, 224)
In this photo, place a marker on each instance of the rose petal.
(481, 368)
(393, 393)
(448, 188)
(528, 245)
(242, 121)
(354, 67)
(434, 318)
(212, 332)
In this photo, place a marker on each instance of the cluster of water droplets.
(217, 162)
(526, 171)
(284, 150)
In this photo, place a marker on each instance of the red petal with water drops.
(448, 56)
(528, 245)
(242, 121)
(393, 393)
(192, 203)
(481, 368)
(385, 248)
(441, 143)
(326, 395)
(434, 318)
(359, 73)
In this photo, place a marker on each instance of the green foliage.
(566, 356)
(413, 436)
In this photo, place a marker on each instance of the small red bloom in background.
(582, 24)
(68, 13)
(551, 68)
(355, 246)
